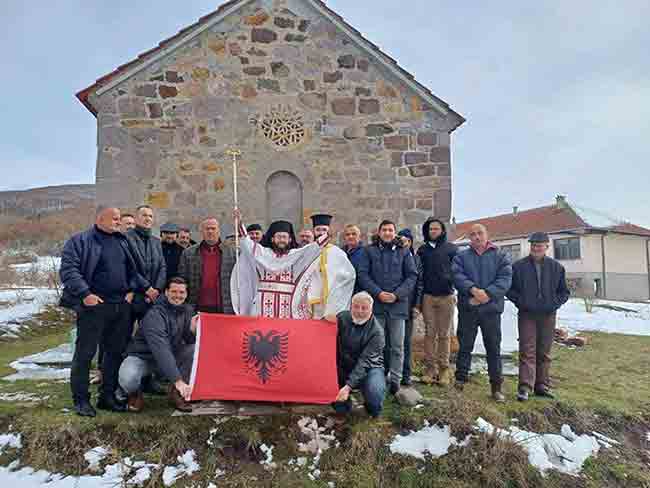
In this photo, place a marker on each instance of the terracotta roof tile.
(551, 219)
(525, 222)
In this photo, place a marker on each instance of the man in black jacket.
(164, 343)
(538, 290)
(387, 272)
(171, 249)
(99, 275)
(149, 257)
(360, 356)
(437, 300)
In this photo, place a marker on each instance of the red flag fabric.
(264, 359)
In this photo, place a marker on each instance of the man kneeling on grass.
(360, 356)
(164, 343)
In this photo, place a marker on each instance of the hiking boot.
(393, 387)
(523, 393)
(84, 409)
(110, 404)
(543, 391)
(135, 402)
(459, 385)
(431, 376)
(497, 396)
(407, 382)
(177, 401)
(444, 378)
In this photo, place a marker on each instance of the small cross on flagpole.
(235, 153)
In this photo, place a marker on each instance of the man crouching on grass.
(360, 356)
(164, 343)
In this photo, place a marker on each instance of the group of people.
(138, 297)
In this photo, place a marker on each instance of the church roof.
(143, 60)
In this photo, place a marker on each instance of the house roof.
(184, 35)
(551, 219)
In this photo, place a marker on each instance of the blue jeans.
(408, 337)
(394, 351)
(374, 391)
(135, 369)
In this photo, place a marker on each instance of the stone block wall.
(364, 146)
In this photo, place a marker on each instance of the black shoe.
(84, 409)
(111, 404)
(522, 394)
(407, 382)
(393, 388)
(544, 392)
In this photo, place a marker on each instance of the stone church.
(325, 122)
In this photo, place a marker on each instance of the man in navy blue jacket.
(538, 290)
(482, 275)
(100, 276)
(387, 271)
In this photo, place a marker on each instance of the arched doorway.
(284, 198)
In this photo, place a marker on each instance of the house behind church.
(602, 256)
(325, 121)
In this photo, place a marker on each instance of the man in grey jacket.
(164, 343)
(360, 356)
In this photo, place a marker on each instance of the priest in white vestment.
(331, 277)
(268, 280)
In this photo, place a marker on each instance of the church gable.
(287, 84)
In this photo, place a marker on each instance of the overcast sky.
(556, 93)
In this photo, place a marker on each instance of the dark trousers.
(107, 324)
(374, 391)
(469, 321)
(536, 333)
(408, 337)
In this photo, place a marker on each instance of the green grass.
(603, 387)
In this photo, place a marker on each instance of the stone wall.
(363, 145)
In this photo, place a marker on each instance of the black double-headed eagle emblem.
(266, 354)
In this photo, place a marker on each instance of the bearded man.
(266, 277)
(360, 356)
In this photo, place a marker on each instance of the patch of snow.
(114, 475)
(44, 264)
(31, 371)
(22, 305)
(431, 439)
(574, 317)
(548, 451)
(318, 441)
(170, 475)
(141, 476)
(605, 441)
(20, 396)
(95, 456)
(12, 441)
(268, 462)
(186, 467)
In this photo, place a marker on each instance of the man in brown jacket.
(207, 268)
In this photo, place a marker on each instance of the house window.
(513, 250)
(565, 249)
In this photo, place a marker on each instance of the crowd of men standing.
(136, 296)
